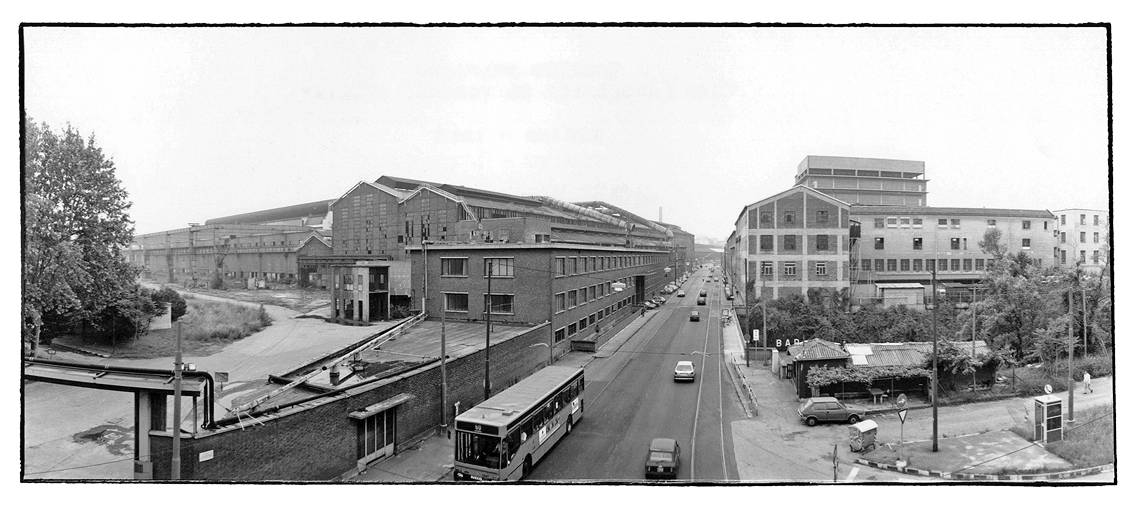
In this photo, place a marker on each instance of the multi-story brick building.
(1082, 237)
(794, 242)
(571, 285)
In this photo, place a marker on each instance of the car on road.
(684, 371)
(695, 316)
(680, 293)
(649, 304)
(663, 459)
(704, 293)
(701, 301)
(828, 409)
(659, 300)
(729, 296)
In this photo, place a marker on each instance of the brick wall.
(319, 443)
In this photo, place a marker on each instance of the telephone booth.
(1047, 424)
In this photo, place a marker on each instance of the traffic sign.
(901, 401)
(755, 334)
(902, 415)
(1048, 388)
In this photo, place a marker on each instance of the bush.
(1096, 365)
(1031, 381)
(400, 312)
(219, 321)
(177, 303)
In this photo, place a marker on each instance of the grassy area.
(301, 300)
(207, 327)
(1089, 442)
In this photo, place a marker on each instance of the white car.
(684, 371)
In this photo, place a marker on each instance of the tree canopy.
(76, 225)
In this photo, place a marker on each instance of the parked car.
(649, 304)
(659, 300)
(684, 371)
(695, 316)
(729, 296)
(828, 409)
(680, 293)
(663, 459)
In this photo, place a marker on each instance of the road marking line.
(851, 475)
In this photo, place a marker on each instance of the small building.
(911, 295)
(812, 353)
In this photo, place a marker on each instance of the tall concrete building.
(865, 181)
(1082, 237)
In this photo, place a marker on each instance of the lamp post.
(442, 361)
(176, 441)
(934, 331)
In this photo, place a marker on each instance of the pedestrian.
(1088, 382)
(597, 328)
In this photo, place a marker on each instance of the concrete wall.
(319, 443)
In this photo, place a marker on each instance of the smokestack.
(660, 214)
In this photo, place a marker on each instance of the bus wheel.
(569, 424)
(526, 467)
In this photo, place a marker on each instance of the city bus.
(503, 437)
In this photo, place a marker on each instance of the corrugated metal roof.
(817, 349)
(898, 285)
(905, 354)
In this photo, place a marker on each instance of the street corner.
(996, 455)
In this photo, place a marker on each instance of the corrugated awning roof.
(890, 286)
(817, 349)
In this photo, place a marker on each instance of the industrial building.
(1082, 238)
(894, 241)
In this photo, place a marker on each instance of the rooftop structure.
(867, 181)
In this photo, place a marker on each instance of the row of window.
(574, 298)
(569, 266)
(763, 219)
(823, 242)
(1096, 219)
(917, 265)
(789, 268)
(956, 243)
(498, 267)
(375, 280)
(911, 222)
(1064, 237)
(583, 325)
(457, 302)
(1065, 260)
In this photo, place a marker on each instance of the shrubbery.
(219, 321)
(177, 303)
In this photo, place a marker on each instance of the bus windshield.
(479, 450)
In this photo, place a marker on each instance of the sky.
(699, 122)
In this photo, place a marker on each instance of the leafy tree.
(177, 303)
(75, 227)
(991, 243)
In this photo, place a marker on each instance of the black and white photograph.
(739, 253)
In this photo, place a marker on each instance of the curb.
(989, 477)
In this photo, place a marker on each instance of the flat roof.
(91, 376)
(507, 406)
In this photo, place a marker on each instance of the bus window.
(513, 441)
(479, 450)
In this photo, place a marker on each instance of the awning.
(384, 405)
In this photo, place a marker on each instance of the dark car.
(663, 459)
(694, 316)
(828, 409)
(703, 293)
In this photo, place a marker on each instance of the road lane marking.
(851, 475)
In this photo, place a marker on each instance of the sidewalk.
(429, 460)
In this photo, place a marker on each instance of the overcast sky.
(208, 122)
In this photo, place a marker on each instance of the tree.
(75, 227)
(177, 303)
(991, 243)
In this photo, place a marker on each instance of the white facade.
(1082, 234)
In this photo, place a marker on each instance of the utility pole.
(1084, 321)
(1070, 381)
(423, 250)
(934, 329)
(550, 274)
(443, 363)
(176, 441)
(973, 335)
(487, 349)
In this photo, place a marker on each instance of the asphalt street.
(631, 398)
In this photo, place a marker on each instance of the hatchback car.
(828, 409)
(663, 459)
(701, 301)
(684, 371)
(680, 293)
(695, 316)
(704, 293)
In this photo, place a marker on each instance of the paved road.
(631, 398)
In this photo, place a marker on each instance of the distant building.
(865, 181)
(1082, 237)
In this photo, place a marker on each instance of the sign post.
(900, 404)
